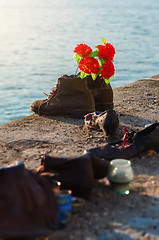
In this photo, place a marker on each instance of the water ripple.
(38, 38)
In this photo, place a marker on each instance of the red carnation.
(89, 65)
(107, 70)
(83, 49)
(106, 51)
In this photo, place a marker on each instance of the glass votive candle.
(120, 175)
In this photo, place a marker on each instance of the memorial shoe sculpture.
(102, 93)
(76, 174)
(79, 94)
(97, 66)
(27, 204)
(106, 121)
(71, 97)
(144, 140)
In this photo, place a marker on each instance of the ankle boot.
(75, 174)
(27, 204)
(98, 165)
(142, 141)
(72, 98)
(102, 93)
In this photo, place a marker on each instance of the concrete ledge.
(137, 104)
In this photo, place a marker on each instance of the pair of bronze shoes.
(75, 97)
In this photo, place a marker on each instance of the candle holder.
(64, 202)
(120, 175)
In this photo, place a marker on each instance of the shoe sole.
(70, 113)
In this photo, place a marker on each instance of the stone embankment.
(105, 215)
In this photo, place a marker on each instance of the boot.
(27, 204)
(102, 93)
(107, 121)
(71, 98)
(143, 141)
(76, 174)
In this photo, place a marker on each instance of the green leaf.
(94, 54)
(94, 76)
(78, 58)
(101, 61)
(104, 41)
(107, 80)
(83, 75)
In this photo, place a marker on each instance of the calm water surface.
(37, 39)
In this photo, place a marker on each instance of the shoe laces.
(52, 93)
(128, 137)
(87, 116)
(125, 137)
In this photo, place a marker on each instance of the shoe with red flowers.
(102, 93)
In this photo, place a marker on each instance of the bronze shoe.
(107, 121)
(76, 174)
(72, 98)
(102, 93)
(142, 141)
(27, 204)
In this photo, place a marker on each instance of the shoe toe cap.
(35, 105)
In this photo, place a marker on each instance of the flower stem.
(76, 71)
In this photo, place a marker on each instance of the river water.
(37, 39)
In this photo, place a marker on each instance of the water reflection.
(38, 37)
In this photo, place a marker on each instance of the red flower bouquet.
(89, 65)
(98, 62)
